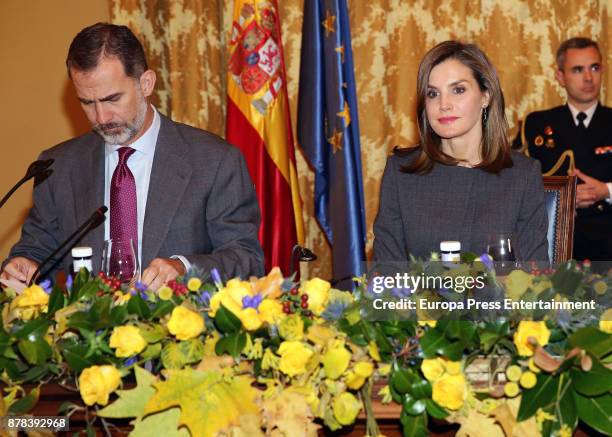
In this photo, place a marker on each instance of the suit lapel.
(169, 178)
(88, 183)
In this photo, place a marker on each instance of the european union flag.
(328, 131)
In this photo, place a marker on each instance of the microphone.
(300, 253)
(35, 169)
(94, 221)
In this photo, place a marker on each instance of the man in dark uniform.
(576, 138)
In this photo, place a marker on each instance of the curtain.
(185, 41)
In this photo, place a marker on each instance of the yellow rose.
(318, 294)
(336, 360)
(224, 298)
(293, 357)
(291, 328)
(194, 284)
(30, 302)
(346, 407)
(354, 381)
(373, 350)
(185, 324)
(452, 367)
(271, 311)
(449, 391)
(364, 369)
(432, 368)
(250, 319)
(127, 340)
(527, 329)
(605, 323)
(238, 289)
(319, 334)
(96, 383)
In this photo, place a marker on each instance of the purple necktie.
(123, 204)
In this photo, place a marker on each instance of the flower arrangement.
(271, 356)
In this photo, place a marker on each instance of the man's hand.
(590, 191)
(162, 270)
(18, 272)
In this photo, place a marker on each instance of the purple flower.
(216, 277)
(204, 298)
(130, 361)
(69, 282)
(252, 301)
(402, 292)
(46, 285)
(141, 286)
(486, 259)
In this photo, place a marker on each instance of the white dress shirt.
(140, 164)
(589, 116)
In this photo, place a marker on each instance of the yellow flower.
(532, 366)
(364, 369)
(223, 297)
(605, 323)
(271, 311)
(432, 368)
(346, 407)
(354, 381)
(269, 360)
(336, 361)
(237, 290)
(430, 323)
(319, 334)
(513, 373)
(541, 417)
(210, 343)
(511, 389)
(452, 367)
(253, 350)
(450, 391)
(291, 328)
(30, 302)
(96, 383)
(194, 284)
(250, 319)
(164, 292)
(527, 329)
(318, 294)
(565, 431)
(373, 351)
(528, 380)
(385, 394)
(185, 324)
(294, 357)
(600, 287)
(127, 340)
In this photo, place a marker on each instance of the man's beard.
(122, 133)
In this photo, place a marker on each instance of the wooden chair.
(560, 201)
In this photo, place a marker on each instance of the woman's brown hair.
(495, 143)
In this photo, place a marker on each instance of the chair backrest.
(560, 200)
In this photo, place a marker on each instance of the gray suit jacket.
(457, 203)
(201, 202)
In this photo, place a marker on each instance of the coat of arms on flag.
(256, 55)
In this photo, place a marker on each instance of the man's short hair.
(107, 40)
(578, 42)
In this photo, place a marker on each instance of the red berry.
(100, 293)
(304, 297)
(294, 291)
(101, 275)
(304, 304)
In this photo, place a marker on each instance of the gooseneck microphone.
(35, 169)
(94, 221)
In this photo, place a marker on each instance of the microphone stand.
(95, 220)
(35, 169)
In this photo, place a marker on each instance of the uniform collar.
(589, 113)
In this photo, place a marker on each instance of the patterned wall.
(185, 42)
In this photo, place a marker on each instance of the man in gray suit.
(183, 194)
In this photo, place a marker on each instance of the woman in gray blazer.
(461, 182)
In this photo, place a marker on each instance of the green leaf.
(152, 334)
(488, 340)
(435, 410)
(595, 411)
(413, 406)
(544, 393)
(83, 321)
(162, 308)
(36, 328)
(56, 301)
(163, 424)
(172, 356)
(151, 351)
(594, 341)
(231, 344)
(226, 321)
(34, 373)
(414, 426)
(137, 305)
(35, 352)
(595, 382)
(420, 389)
(75, 357)
(567, 409)
(26, 403)
(401, 379)
(432, 343)
(131, 403)
(118, 315)
(193, 350)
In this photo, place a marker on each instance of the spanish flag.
(258, 122)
